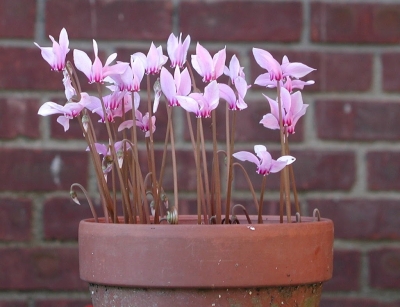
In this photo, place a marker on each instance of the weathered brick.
(54, 268)
(18, 118)
(384, 266)
(17, 19)
(335, 71)
(314, 170)
(64, 303)
(214, 21)
(111, 20)
(355, 22)
(42, 170)
(346, 271)
(349, 120)
(383, 170)
(361, 219)
(24, 69)
(15, 219)
(61, 217)
(390, 72)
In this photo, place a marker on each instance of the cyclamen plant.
(117, 106)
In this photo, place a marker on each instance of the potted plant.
(152, 256)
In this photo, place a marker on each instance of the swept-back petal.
(226, 93)
(188, 103)
(219, 62)
(297, 102)
(186, 83)
(50, 108)
(111, 58)
(125, 125)
(287, 159)
(277, 166)
(211, 95)
(168, 86)
(246, 156)
(270, 121)
(265, 80)
(83, 62)
(204, 61)
(297, 70)
(63, 121)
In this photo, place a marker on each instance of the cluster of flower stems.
(121, 174)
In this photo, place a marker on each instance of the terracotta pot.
(243, 265)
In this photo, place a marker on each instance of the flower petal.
(83, 62)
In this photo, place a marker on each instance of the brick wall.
(347, 145)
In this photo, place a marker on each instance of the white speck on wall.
(55, 169)
(347, 108)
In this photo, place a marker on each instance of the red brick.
(355, 23)
(361, 219)
(350, 120)
(111, 20)
(334, 71)
(40, 269)
(390, 72)
(19, 118)
(24, 69)
(279, 22)
(384, 266)
(56, 213)
(346, 271)
(63, 303)
(13, 304)
(314, 170)
(17, 19)
(30, 170)
(15, 219)
(351, 302)
(383, 170)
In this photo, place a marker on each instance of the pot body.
(268, 264)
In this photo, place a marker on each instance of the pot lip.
(191, 221)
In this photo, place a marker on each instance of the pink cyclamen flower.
(210, 68)
(55, 55)
(290, 84)
(234, 70)
(288, 72)
(132, 77)
(235, 102)
(142, 121)
(177, 51)
(115, 105)
(95, 71)
(154, 60)
(172, 86)
(201, 104)
(263, 160)
(292, 109)
(68, 111)
(267, 61)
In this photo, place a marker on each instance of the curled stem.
(75, 199)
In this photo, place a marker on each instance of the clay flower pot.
(268, 264)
